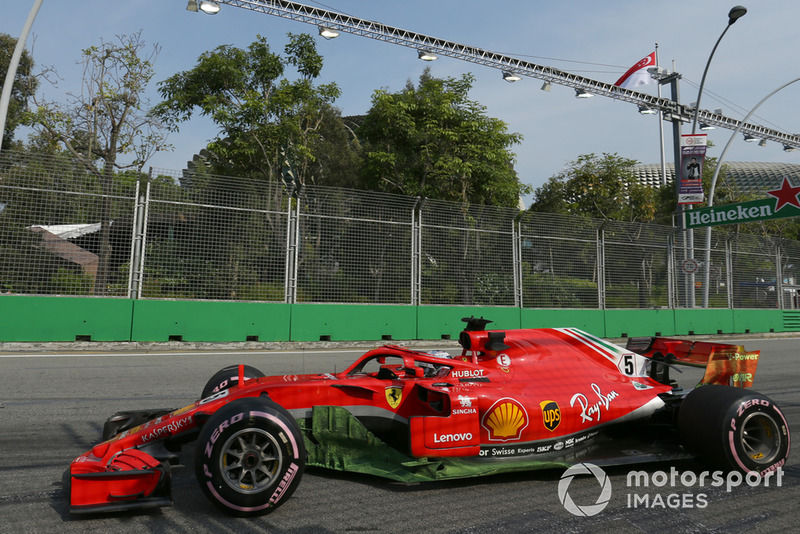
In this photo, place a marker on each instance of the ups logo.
(551, 414)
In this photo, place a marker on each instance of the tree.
(264, 118)
(600, 187)
(432, 141)
(24, 87)
(107, 120)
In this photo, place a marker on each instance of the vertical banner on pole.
(693, 154)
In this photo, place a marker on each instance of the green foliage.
(543, 290)
(600, 187)
(264, 118)
(24, 86)
(69, 282)
(432, 141)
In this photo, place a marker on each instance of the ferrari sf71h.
(511, 400)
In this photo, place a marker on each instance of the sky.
(598, 40)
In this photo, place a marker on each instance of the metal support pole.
(516, 244)
(672, 298)
(779, 277)
(601, 266)
(416, 252)
(292, 241)
(676, 146)
(137, 215)
(729, 272)
(143, 252)
(8, 84)
(716, 175)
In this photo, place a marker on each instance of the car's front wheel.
(250, 456)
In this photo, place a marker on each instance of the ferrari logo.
(394, 396)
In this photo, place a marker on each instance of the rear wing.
(725, 364)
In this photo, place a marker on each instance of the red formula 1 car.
(512, 400)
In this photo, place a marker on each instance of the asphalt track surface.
(52, 407)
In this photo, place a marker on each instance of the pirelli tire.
(734, 429)
(226, 378)
(250, 456)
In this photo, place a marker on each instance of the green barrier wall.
(184, 320)
(65, 319)
(42, 319)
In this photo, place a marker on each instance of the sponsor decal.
(218, 431)
(503, 360)
(640, 386)
(287, 479)
(393, 396)
(467, 373)
(551, 414)
(505, 420)
(167, 430)
(466, 406)
(526, 449)
(215, 396)
(591, 411)
(452, 438)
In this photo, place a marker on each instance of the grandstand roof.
(748, 176)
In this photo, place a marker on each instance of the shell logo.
(505, 420)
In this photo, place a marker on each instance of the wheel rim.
(760, 438)
(250, 460)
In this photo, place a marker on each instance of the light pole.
(5, 98)
(734, 14)
(706, 277)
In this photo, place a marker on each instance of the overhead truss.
(381, 32)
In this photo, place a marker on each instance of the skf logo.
(505, 420)
(551, 414)
(394, 396)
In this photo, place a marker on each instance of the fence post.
(140, 212)
(292, 241)
(516, 233)
(601, 266)
(729, 272)
(779, 276)
(416, 252)
(672, 300)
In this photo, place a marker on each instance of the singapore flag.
(638, 75)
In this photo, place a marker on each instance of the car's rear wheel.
(250, 456)
(228, 377)
(734, 428)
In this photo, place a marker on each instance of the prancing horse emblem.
(394, 396)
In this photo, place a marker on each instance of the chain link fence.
(65, 230)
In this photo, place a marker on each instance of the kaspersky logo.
(551, 414)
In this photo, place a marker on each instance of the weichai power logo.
(505, 420)
(551, 414)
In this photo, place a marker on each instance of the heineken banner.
(693, 153)
(782, 203)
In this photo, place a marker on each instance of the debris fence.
(67, 230)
